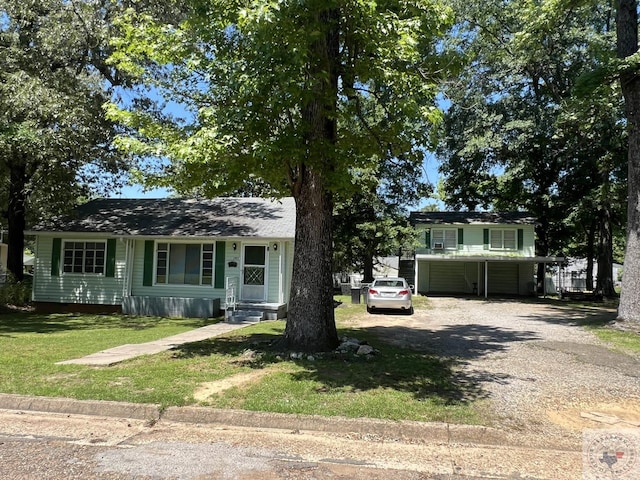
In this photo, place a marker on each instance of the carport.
(478, 275)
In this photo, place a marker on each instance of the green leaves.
(246, 70)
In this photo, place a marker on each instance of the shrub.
(13, 292)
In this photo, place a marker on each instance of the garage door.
(503, 278)
(447, 277)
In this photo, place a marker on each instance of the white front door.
(254, 273)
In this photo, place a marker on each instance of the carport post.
(486, 279)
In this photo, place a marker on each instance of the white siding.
(473, 240)
(273, 282)
(76, 288)
(98, 289)
(288, 271)
(208, 291)
(186, 291)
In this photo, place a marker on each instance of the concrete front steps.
(256, 312)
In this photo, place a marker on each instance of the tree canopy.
(517, 135)
(295, 94)
(55, 141)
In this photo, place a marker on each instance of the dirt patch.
(207, 389)
(622, 414)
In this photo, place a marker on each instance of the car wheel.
(369, 309)
(410, 311)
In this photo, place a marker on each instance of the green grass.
(597, 320)
(395, 384)
(625, 341)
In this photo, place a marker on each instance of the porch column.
(280, 271)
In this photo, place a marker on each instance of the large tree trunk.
(627, 45)
(311, 323)
(16, 220)
(591, 234)
(604, 281)
(367, 269)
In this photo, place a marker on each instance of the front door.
(254, 273)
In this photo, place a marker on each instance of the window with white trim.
(503, 239)
(84, 257)
(184, 263)
(444, 238)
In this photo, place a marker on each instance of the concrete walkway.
(125, 352)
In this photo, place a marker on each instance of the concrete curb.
(137, 411)
(428, 432)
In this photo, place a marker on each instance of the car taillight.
(403, 292)
(373, 292)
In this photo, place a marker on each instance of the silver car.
(389, 293)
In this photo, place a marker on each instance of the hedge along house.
(167, 257)
(479, 253)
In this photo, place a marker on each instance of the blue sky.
(430, 170)
(136, 191)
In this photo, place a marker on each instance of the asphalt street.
(40, 445)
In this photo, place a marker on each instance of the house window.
(503, 239)
(84, 257)
(444, 238)
(184, 263)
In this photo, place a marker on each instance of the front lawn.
(396, 383)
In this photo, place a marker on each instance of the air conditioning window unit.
(438, 246)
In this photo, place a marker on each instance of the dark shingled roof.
(170, 217)
(442, 218)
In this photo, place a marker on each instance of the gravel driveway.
(529, 362)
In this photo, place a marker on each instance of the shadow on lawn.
(26, 322)
(407, 360)
(594, 315)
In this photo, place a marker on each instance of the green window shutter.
(110, 270)
(485, 239)
(147, 276)
(520, 239)
(219, 265)
(427, 238)
(55, 257)
(460, 238)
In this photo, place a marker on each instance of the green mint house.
(477, 253)
(167, 257)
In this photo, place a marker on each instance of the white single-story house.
(167, 257)
(478, 253)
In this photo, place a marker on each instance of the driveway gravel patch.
(531, 362)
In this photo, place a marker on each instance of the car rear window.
(389, 283)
